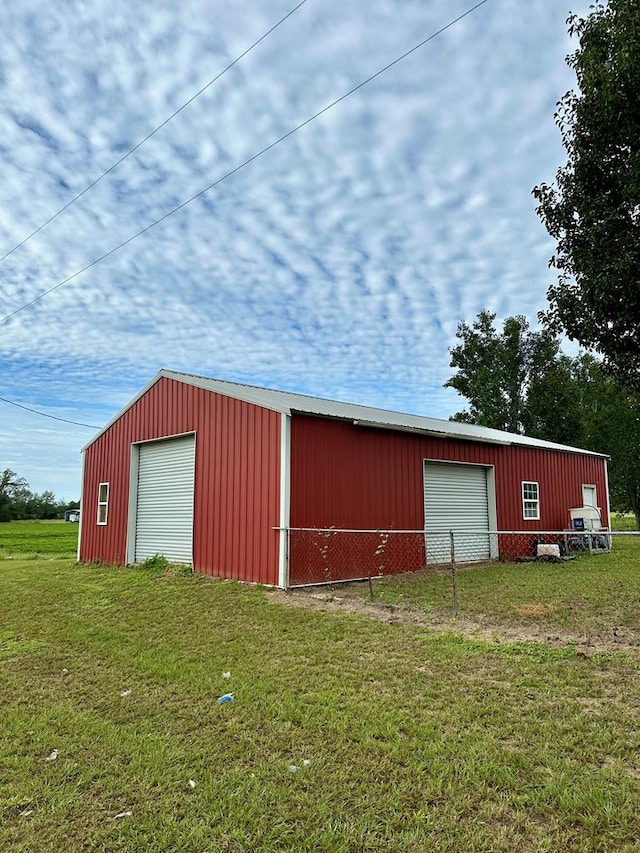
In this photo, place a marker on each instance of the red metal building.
(216, 474)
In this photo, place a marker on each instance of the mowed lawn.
(38, 538)
(404, 739)
(594, 597)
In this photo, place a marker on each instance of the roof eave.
(123, 411)
(265, 399)
(428, 431)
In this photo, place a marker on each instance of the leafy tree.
(18, 502)
(611, 425)
(501, 373)
(554, 409)
(593, 211)
(47, 505)
(567, 400)
(11, 487)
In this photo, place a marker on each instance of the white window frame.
(103, 504)
(530, 503)
(595, 494)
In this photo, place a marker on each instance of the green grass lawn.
(623, 522)
(595, 597)
(416, 740)
(50, 538)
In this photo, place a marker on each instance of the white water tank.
(585, 518)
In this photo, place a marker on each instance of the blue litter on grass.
(228, 697)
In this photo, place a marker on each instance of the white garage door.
(164, 517)
(456, 499)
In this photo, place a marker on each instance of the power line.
(242, 165)
(152, 133)
(45, 415)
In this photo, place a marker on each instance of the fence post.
(454, 576)
(288, 559)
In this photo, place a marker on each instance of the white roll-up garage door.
(164, 516)
(456, 499)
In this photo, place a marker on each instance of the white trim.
(470, 530)
(504, 441)
(605, 462)
(104, 504)
(84, 462)
(165, 437)
(285, 490)
(492, 506)
(457, 462)
(286, 402)
(490, 483)
(492, 510)
(524, 500)
(132, 511)
(595, 493)
(195, 490)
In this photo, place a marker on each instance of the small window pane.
(103, 503)
(530, 501)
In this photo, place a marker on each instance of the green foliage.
(515, 380)
(611, 424)
(12, 488)
(593, 211)
(156, 563)
(182, 569)
(18, 502)
(417, 740)
(519, 381)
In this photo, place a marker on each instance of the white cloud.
(339, 263)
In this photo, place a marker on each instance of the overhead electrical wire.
(243, 164)
(45, 415)
(151, 133)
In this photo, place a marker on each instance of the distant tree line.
(518, 380)
(18, 502)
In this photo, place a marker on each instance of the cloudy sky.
(338, 264)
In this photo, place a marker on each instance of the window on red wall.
(530, 501)
(103, 503)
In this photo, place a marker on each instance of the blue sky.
(338, 264)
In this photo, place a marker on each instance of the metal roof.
(287, 402)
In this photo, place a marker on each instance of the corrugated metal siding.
(347, 476)
(237, 479)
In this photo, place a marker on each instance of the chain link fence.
(332, 555)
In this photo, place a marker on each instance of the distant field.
(623, 522)
(50, 538)
(346, 734)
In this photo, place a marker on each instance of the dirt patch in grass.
(534, 611)
(350, 600)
